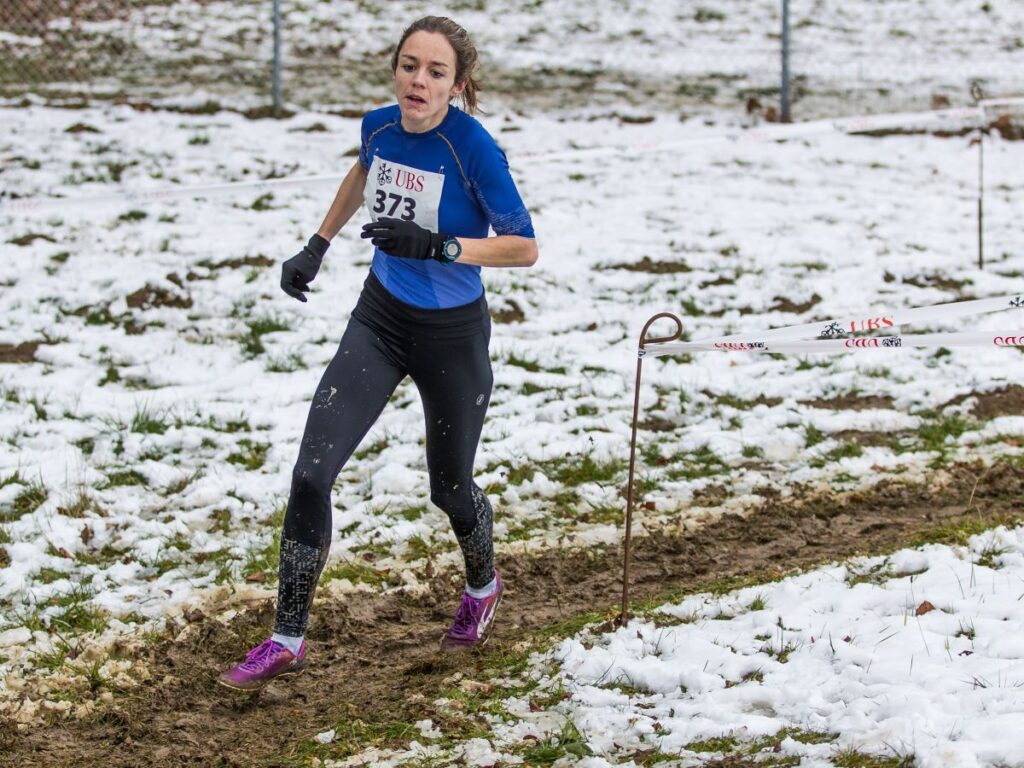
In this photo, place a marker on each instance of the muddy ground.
(371, 655)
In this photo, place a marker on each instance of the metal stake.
(641, 352)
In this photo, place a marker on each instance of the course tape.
(139, 196)
(773, 132)
(836, 335)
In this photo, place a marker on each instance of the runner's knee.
(457, 503)
(308, 517)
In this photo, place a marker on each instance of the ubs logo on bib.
(406, 180)
(403, 192)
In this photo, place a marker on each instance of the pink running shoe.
(262, 664)
(473, 620)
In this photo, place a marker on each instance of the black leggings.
(445, 353)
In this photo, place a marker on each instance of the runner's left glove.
(404, 238)
(298, 272)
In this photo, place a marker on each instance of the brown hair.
(465, 53)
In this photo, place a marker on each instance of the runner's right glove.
(298, 272)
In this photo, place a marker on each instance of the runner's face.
(425, 80)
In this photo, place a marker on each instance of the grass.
(78, 616)
(702, 462)
(720, 744)
(849, 758)
(352, 736)
(267, 560)
(28, 500)
(250, 455)
(354, 571)
(147, 422)
(377, 446)
(520, 362)
(940, 434)
(567, 743)
(124, 477)
(258, 327)
(842, 451)
(812, 435)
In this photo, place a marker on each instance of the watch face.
(452, 249)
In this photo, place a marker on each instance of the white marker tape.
(138, 196)
(834, 335)
(885, 319)
(754, 344)
(774, 132)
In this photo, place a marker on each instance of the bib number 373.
(398, 191)
(388, 204)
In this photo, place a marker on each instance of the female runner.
(434, 181)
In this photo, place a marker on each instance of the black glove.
(404, 238)
(298, 272)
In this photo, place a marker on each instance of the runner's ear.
(457, 89)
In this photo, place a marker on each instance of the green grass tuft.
(124, 477)
(252, 344)
(148, 422)
(27, 501)
(355, 572)
(721, 744)
(250, 455)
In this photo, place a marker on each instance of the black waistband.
(377, 305)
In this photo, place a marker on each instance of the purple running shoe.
(262, 664)
(473, 621)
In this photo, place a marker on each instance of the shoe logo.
(486, 618)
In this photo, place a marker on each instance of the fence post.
(277, 59)
(784, 92)
(978, 95)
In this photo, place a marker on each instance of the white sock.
(291, 643)
(483, 592)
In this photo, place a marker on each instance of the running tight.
(444, 351)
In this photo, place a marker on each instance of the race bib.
(397, 191)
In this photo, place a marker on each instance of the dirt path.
(371, 654)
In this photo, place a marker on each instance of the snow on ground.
(916, 656)
(148, 447)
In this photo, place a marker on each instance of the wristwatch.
(451, 249)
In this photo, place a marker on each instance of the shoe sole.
(262, 685)
(474, 646)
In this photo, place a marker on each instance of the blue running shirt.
(452, 179)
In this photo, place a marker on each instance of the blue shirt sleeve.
(496, 191)
(364, 150)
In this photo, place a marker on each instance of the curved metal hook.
(661, 339)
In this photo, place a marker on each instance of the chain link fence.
(846, 58)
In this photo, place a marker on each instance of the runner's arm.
(346, 202)
(500, 251)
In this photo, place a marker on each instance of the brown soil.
(782, 304)
(1004, 402)
(510, 313)
(851, 402)
(870, 439)
(1007, 126)
(649, 265)
(149, 296)
(375, 658)
(19, 353)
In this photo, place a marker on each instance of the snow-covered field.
(148, 426)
